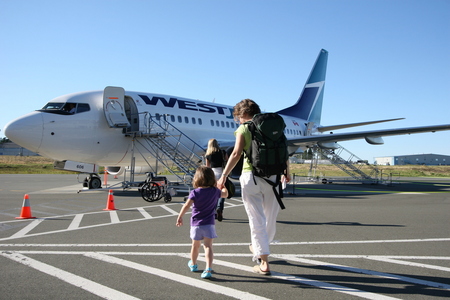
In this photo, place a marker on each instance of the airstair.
(168, 145)
(349, 163)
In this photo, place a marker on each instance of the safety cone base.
(110, 209)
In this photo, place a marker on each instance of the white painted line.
(27, 228)
(144, 213)
(224, 245)
(83, 283)
(202, 284)
(75, 222)
(368, 272)
(84, 227)
(114, 217)
(370, 256)
(169, 210)
(408, 263)
(364, 242)
(307, 281)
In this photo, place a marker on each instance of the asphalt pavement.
(334, 241)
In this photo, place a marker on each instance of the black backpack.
(268, 152)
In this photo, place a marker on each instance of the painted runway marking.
(408, 263)
(83, 283)
(75, 224)
(175, 277)
(367, 272)
(109, 257)
(114, 219)
(246, 244)
(312, 282)
(27, 228)
(144, 213)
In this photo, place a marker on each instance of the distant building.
(415, 159)
(11, 148)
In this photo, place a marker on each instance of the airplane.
(84, 130)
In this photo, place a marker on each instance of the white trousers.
(262, 209)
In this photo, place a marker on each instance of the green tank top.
(243, 129)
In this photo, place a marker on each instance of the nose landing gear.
(93, 181)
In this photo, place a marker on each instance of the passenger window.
(186, 120)
(172, 118)
(212, 122)
(180, 119)
(217, 124)
(200, 121)
(193, 120)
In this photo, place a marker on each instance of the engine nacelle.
(119, 170)
(328, 145)
(115, 170)
(374, 140)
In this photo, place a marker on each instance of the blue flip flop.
(193, 267)
(207, 273)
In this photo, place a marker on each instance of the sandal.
(193, 267)
(257, 269)
(207, 273)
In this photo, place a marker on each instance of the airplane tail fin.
(309, 105)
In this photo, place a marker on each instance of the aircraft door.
(114, 107)
(132, 113)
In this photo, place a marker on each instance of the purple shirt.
(205, 204)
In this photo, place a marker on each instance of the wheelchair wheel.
(167, 197)
(150, 191)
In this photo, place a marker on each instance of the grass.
(28, 165)
(397, 171)
(41, 165)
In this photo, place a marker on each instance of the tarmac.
(334, 241)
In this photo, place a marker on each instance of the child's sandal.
(207, 273)
(193, 267)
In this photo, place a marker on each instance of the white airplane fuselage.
(87, 137)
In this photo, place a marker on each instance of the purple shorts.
(203, 231)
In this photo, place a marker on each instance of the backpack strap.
(279, 193)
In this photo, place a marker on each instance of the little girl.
(203, 199)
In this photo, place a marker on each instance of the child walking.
(203, 198)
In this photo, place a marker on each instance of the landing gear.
(93, 181)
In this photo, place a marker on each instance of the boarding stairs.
(176, 151)
(351, 164)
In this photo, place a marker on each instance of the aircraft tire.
(94, 182)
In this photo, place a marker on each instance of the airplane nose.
(26, 131)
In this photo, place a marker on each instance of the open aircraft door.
(114, 107)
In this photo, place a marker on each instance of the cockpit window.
(65, 108)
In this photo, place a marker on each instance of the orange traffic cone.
(26, 209)
(110, 203)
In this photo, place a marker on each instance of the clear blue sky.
(387, 58)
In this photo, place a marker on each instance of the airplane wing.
(372, 137)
